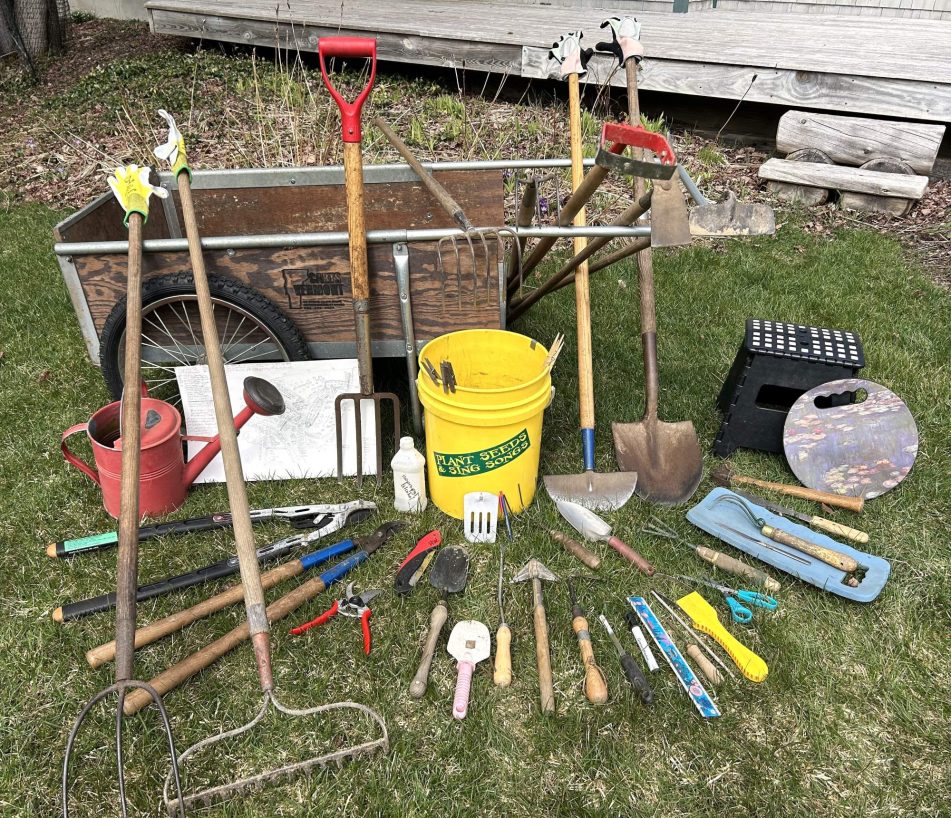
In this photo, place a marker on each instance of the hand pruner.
(354, 605)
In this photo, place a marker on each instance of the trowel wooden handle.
(838, 500)
(626, 551)
(834, 558)
(595, 686)
(839, 530)
(503, 656)
(437, 619)
(738, 567)
(707, 668)
(575, 548)
(543, 659)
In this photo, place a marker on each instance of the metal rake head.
(215, 794)
(357, 398)
(469, 257)
(120, 689)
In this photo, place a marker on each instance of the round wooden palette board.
(859, 449)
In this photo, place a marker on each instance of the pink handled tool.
(469, 644)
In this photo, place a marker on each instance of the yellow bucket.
(485, 436)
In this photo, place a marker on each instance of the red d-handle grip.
(82, 465)
(348, 47)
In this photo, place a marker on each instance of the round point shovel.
(666, 456)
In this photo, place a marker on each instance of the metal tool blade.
(588, 524)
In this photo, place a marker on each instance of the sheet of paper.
(300, 443)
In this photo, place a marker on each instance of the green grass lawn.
(852, 720)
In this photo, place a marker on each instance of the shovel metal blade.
(599, 492)
(666, 457)
(732, 218)
(670, 225)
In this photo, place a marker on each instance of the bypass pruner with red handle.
(353, 605)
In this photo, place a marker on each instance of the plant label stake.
(469, 644)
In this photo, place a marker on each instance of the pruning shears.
(735, 598)
(352, 605)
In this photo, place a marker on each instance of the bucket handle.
(82, 465)
(551, 397)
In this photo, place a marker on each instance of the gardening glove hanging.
(625, 39)
(569, 53)
(173, 151)
(132, 188)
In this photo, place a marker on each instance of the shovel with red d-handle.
(357, 47)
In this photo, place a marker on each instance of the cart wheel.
(250, 329)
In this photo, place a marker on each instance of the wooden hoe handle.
(542, 651)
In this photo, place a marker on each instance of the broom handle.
(131, 432)
(228, 437)
(582, 291)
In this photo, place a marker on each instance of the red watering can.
(164, 476)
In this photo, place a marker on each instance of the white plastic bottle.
(409, 479)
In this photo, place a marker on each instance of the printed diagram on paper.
(301, 443)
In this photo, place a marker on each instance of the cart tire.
(178, 289)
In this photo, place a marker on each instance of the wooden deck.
(886, 67)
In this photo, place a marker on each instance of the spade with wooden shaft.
(533, 570)
(666, 456)
(598, 491)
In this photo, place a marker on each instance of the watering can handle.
(82, 465)
(348, 47)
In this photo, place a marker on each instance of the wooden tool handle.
(855, 504)
(228, 439)
(131, 432)
(439, 193)
(629, 553)
(582, 292)
(574, 547)
(738, 567)
(749, 664)
(353, 182)
(827, 555)
(543, 659)
(707, 668)
(503, 656)
(437, 619)
(595, 685)
(839, 530)
(179, 673)
(175, 622)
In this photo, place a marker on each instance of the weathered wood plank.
(855, 140)
(802, 194)
(890, 205)
(789, 88)
(843, 178)
(713, 36)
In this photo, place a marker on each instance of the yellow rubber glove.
(173, 150)
(132, 188)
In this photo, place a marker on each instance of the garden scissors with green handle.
(735, 598)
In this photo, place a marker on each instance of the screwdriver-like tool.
(630, 667)
(716, 558)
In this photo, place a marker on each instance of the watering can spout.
(260, 398)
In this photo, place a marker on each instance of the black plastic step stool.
(775, 364)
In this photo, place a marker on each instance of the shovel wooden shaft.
(582, 291)
(175, 622)
(228, 438)
(437, 619)
(620, 254)
(595, 687)
(524, 218)
(542, 651)
(130, 431)
(179, 673)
